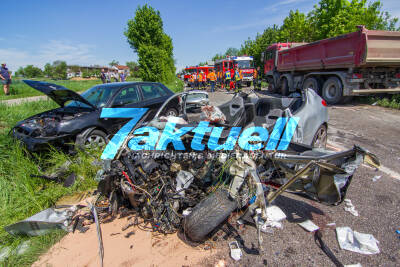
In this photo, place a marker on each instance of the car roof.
(123, 83)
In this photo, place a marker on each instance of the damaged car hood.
(58, 93)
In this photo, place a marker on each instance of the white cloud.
(280, 4)
(72, 53)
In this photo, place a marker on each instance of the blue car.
(77, 121)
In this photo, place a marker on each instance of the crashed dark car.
(78, 120)
(194, 192)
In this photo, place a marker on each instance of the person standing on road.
(204, 80)
(103, 76)
(200, 80)
(237, 78)
(227, 79)
(212, 77)
(5, 76)
(255, 78)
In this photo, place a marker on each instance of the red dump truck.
(358, 63)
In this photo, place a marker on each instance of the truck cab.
(246, 65)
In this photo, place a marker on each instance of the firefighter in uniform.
(204, 80)
(238, 78)
(227, 79)
(200, 80)
(195, 84)
(212, 77)
(256, 80)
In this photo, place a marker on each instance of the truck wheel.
(332, 91)
(208, 214)
(271, 86)
(312, 83)
(284, 87)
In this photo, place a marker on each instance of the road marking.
(337, 147)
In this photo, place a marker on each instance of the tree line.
(327, 19)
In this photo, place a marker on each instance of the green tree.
(295, 28)
(333, 17)
(146, 36)
(59, 69)
(48, 70)
(133, 68)
(20, 72)
(113, 63)
(31, 71)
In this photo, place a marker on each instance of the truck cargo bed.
(364, 48)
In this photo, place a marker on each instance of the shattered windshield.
(245, 64)
(97, 96)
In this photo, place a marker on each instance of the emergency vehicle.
(245, 64)
(196, 69)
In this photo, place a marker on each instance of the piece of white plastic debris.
(274, 216)
(376, 178)
(236, 252)
(309, 226)
(356, 242)
(353, 265)
(274, 213)
(350, 207)
(331, 224)
(187, 211)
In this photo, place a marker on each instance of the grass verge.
(22, 196)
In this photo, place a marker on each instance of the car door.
(153, 97)
(127, 97)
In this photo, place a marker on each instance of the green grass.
(22, 196)
(19, 89)
(386, 101)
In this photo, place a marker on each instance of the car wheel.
(284, 87)
(171, 112)
(312, 83)
(320, 138)
(95, 138)
(332, 91)
(208, 214)
(271, 86)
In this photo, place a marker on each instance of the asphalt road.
(374, 128)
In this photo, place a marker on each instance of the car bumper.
(41, 143)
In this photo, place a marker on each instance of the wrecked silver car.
(195, 191)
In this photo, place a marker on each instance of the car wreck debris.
(350, 207)
(357, 242)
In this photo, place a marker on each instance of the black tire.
(320, 138)
(171, 112)
(207, 215)
(271, 86)
(312, 83)
(284, 87)
(248, 84)
(332, 91)
(93, 138)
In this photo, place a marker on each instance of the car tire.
(171, 112)
(93, 138)
(321, 137)
(332, 91)
(208, 214)
(284, 87)
(312, 83)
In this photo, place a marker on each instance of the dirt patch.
(140, 249)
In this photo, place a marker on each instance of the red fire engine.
(196, 69)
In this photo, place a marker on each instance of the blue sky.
(91, 32)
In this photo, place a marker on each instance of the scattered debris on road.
(357, 242)
(350, 207)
